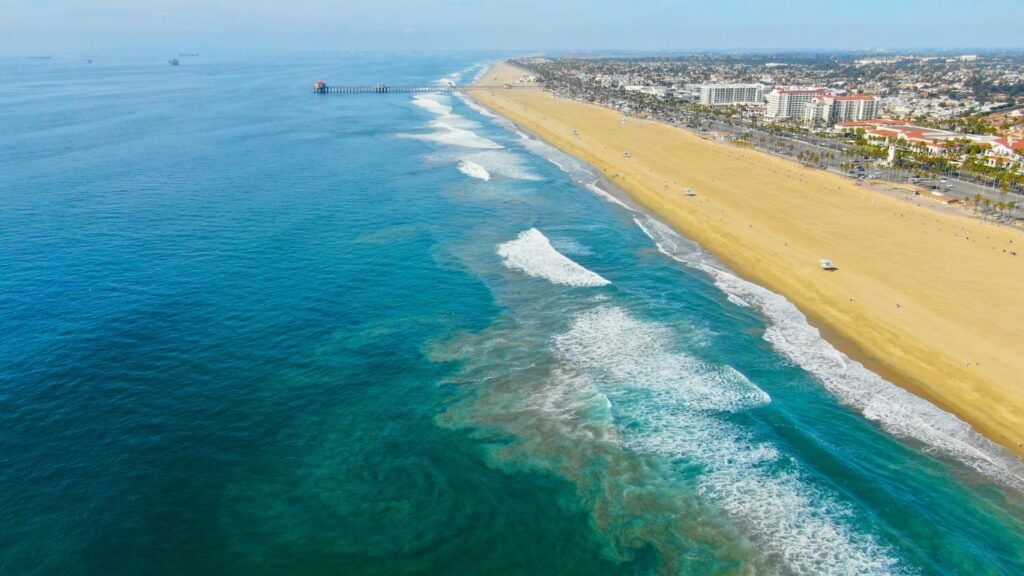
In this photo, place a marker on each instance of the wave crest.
(474, 170)
(897, 411)
(531, 252)
(669, 404)
(618, 347)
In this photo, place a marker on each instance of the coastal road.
(780, 144)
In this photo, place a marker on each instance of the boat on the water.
(173, 62)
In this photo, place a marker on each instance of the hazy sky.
(56, 26)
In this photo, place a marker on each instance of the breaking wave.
(454, 136)
(476, 107)
(593, 187)
(474, 170)
(458, 131)
(532, 253)
(550, 416)
(611, 343)
(432, 104)
(502, 163)
(668, 404)
(449, 128)
(897, 411)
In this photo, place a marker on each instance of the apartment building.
(828, 110)
(856, 107)
(789, 103)
(730, 94)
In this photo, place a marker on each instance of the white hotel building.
(785, 103)
(729, 94)
(856, 107)
(827, 110)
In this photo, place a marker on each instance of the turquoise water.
(251, 330)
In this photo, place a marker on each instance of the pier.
(324, 88)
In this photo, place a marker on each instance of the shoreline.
(899, 368)
(845, 345)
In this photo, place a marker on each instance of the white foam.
(455, 77)
(897, 411)
(737, 300)
(569, 246)
(452, 78)
(474, 170)
(449, 128)
(671, 244)
(565, 397)
(481, 69)
(600, 192)
(532, 253)
(458, 131)
(451, 135)
(601, 338)
(455, 121)
(794, 523)
(669, 404)
(476, 107)
(432, 103)
(577, 170)
(503, 163)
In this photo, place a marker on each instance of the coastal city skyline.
(78, 26)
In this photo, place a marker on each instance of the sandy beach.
(931, 300)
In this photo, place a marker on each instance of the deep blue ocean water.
(246, 329)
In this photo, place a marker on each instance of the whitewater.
(252, 330)
(532, 253)
(703, 426)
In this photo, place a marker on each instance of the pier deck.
(389, 89)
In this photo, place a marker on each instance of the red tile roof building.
(1003, 152)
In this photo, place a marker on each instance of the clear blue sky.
(56, 26)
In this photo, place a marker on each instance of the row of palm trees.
(776, 137)
(816, 158)
(1002, 207)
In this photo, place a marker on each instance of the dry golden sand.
(933, 301)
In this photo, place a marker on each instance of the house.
(933, 140)
(1006, 153)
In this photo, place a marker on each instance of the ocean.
(246, 329)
